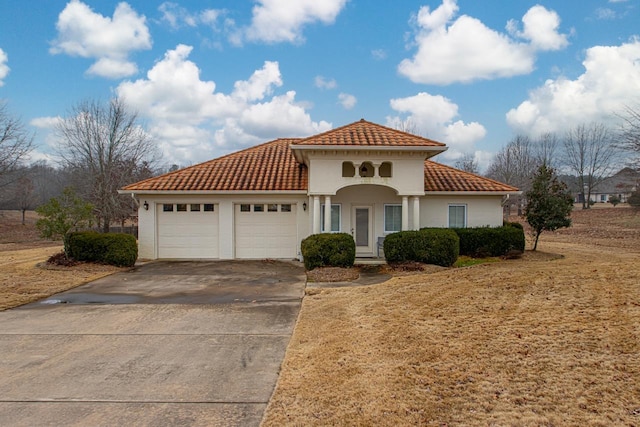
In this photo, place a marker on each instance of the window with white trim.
(335, 218)
(392, 218)
(457, 216)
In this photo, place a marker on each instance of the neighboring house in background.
(363, 178)
(622, 185)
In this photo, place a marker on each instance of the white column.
(416, 212)
(405, 213)
(327, 214)
(316, 214)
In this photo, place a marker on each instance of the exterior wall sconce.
(146, 205)
(304, 206)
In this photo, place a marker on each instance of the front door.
(362, 230)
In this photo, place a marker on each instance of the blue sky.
(210, 77)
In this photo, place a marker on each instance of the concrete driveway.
(170, 343)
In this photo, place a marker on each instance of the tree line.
(100, 147)
(582, 157)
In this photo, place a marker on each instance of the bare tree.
(546, 150)
(104, 145)
(468, 163)
(407, 125)
(514, 164)
(15, 141)
(630, 133)
(591, 154)
(25, 196)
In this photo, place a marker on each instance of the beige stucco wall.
(481, 210)
(325, 171)
(225, 206)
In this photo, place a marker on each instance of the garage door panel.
(188, 235)
(266, 234)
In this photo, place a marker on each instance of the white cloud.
(611, 80)
(4, 68)
(379, 54)
(347, 101)
(177, 16)
(433, 116)
(84, 33)
(541, 28)
(465, 50)
(192, 122)
(45, 122)
(277, 21)
(324, 83)
(605, 14)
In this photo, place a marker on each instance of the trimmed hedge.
(328, 250)
(513, 224)
(485, 241)
(439, 246)
(108, 248)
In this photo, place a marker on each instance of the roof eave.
(299, 151)
(210, 192)
(471, 193)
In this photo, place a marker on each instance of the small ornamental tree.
(614, 200)
(634, 199)
(63, 214)
(549, 203)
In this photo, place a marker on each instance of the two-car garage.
(193, 230)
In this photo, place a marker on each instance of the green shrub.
(328, 250)
(439, 246)
(513, 224)
(485, 241)
(109, 248)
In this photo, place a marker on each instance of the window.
(457, 216)
(245, 208)
(348, 170)
(285, 208)
(181, 207)
(392, 218)
(385, 170)
(195, 207)
(366, 169)
(208, 207)
(166, 207)
(272, 207)
(335, 218)
(258, 208)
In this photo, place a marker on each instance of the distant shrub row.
(108, 248)
(328, 250)
(439, 246)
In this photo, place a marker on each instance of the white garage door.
(188, 231)
(266, 231)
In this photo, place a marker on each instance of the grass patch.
(467, 261)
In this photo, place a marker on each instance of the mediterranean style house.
(364, 179)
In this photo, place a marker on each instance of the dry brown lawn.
(537, 341)
(24, 275)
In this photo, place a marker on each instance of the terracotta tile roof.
(270, 166)
(438, 177)
(364, 133)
